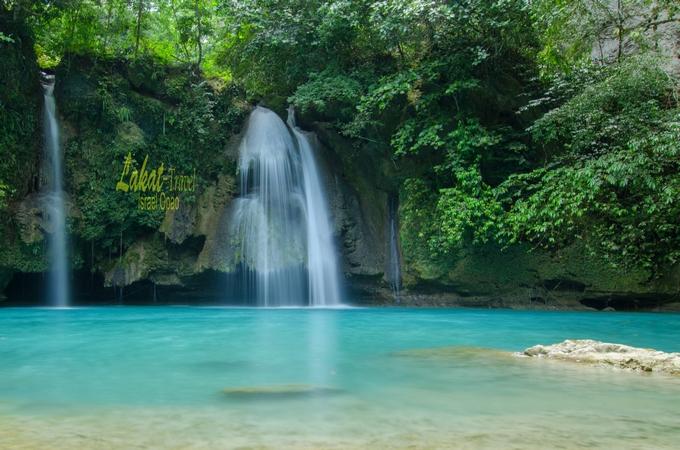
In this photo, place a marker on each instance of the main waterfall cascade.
(280, 225)
(57, 287)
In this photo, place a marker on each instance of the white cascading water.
(280, 223)
(57, 287)
(324, 285)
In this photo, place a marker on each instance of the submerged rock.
(450, 353)
(278, 391)
(604, 354)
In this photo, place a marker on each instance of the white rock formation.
(603, 354)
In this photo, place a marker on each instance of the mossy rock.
(489, 269)
(139, 261)
(130, 136)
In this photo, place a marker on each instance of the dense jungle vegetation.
(543, 122)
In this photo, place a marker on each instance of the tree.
(138, 27)
(577, 30)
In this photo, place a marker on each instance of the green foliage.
(503, 121)
(6, 39)
(419, 232)
(615, 179)
(184, 125)
(605, 167)
(19, 110)
(172, 31)
(328, 94)
(23, 257)
(3, 195)
(273, 46)
(603, 117)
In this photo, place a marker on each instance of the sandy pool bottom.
(208, 428)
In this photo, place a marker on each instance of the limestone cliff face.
(188, 242)
(646, 25)
(357, 205)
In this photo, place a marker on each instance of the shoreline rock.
(588, 351)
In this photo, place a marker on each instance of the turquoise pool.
(183, 377)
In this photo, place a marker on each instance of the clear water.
(361, 378)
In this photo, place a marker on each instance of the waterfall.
(280, 225)
(393, 274)
(57, 287)
(324, 286)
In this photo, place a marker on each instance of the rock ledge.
(611, 355)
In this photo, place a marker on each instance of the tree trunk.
(199, 31)
(619, 27)
(138, 31)
(109, 14)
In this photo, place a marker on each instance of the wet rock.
(212, 216)
(30, 219)
(598, 353)
(33, 218)
(5, 277)
(140, 260)
(356, 190)
(179, 224)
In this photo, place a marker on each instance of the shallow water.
(307, 378)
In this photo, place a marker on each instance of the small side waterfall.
(280, 224)
(393, 274)
(57, 287)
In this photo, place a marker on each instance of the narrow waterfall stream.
(394, 256)
(324, 286)
(280, 224)
(57, 287)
